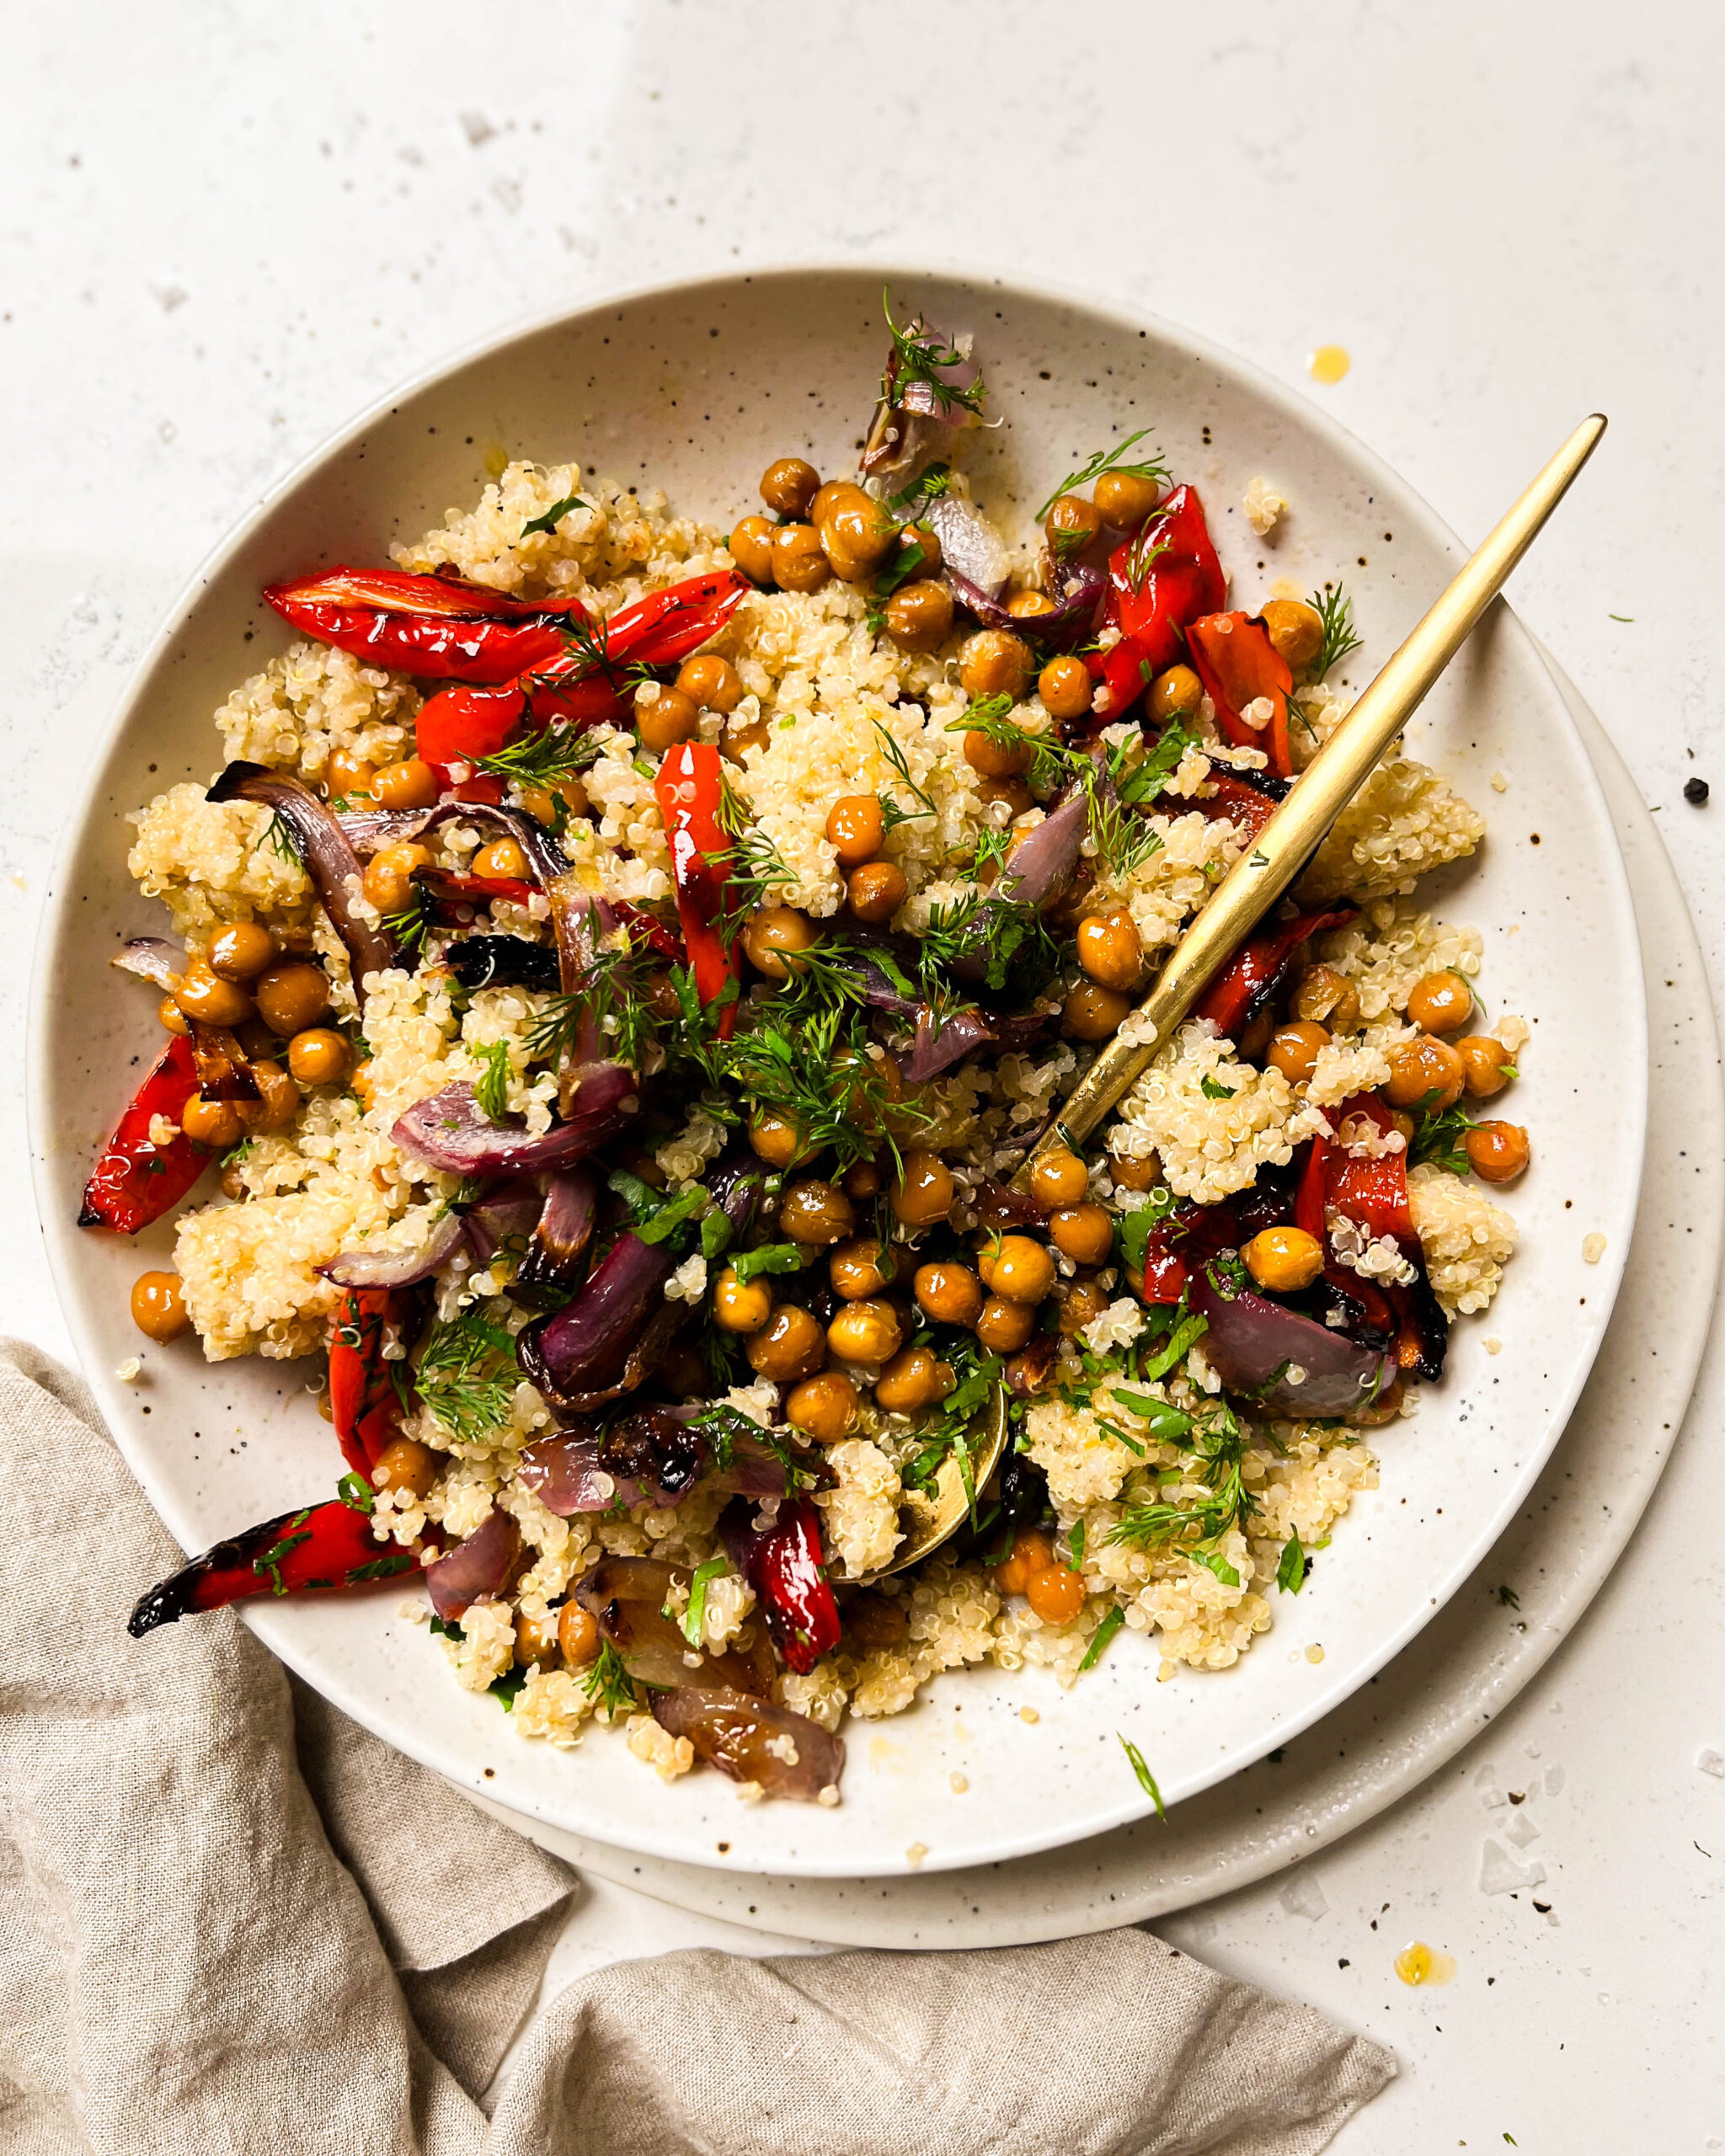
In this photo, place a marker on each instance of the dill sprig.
(1335, 610)
(491, 1093)
(814, 1069)
(1012, 941)
(1108, 460)
(607, 1682)
(279, 837)
(1194, 1527)
(589, 643)
(616, 986)
(894, 750)
(543, 758)
(910, 501)
(414, 922)
(467, 1376)
(1143, 554)
(1439, 1136)
(918, 355)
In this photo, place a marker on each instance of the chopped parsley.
(1214, 1089)
(691, 1621)
(548, 522)
(771, 1257)
(1146, 1780)
(1100, 1637)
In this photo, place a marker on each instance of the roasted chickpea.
(536, 1641)
(866, 1086)
(858, 1267)
(158, 1306)
(914, 1379)
(858, 529)
(1066, 687)
(1295, 629)
(1175, 694)
(789, 1346)
(1092, 1012)
(1294, 1047)
(923, 1192)
(205, 996)
(788, 485)
(816, 1212)
(1125, 499)
(388, 880)
(947, 1292)
(1030, 605)
(214, 1124)
(1497, 1152)
(404, 1463)
(1284, 1260)
(1131, 1173)
(1082, 1304)
(876, 1622)
(918, 615)
(318, 1057)
(856, 828)
(750, 543)
(1017, 1267)
(169, 1014)
(862, 1181)
(1070, 526)
(1055, 1593)
(866, 1332)
(711, 681)
(1013, 792)
(1328, 997)
(241, 951)
(778, 1140)
(279, 1101)
(1110, 950)
(832, 496)
(666, 719)
(348, 776)
(994, 757)
(876, 891)
(577, 1635)
(740, 1306)
(1003, 1326)
(924, 536)
(1425, 1073)
(1083, 1233)
(1031, 1551)
(823, 1408)
(1442, 1002)
(797, 562)
(993, 663)
(503, 859)
(771, 932)
(1487, 1064)
(1058, 1178)
(409, 784)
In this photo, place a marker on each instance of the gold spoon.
(1252, 886)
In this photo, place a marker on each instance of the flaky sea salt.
(1499, 1873)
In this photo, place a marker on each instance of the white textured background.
(225, 228)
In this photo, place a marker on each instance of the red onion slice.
(626, 1597)
(451, 1131)
(1076, 601)
(970, 547)
(563, 1229)
(398, 1268)
(477, 1570)
(1252, 1345)
(581, 1354)
(151, 958)
(753, 1741)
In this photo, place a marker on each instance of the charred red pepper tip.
(364, 1407)
(135, 1181)
(435, 627)
(1241, 669)
(690, 787)
(787, 1568)
(315, 1550)
(1251, 977)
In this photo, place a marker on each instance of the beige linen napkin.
(231, 1921)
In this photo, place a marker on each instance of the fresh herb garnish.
(1291, 1572)
(894, 750)
(614, 986)
(1194, 1527)
(1146, 1780)
(1439, 1136)
(1108, 460)
(279, 837)
(541, 759)
(607, 1682)
(491, 1092)
(467, 1376)
(910, 501)
(1214, 1089)
(1335, 610)
(918, 355)
(692, 1618)
(411, 926)
(904, 565)
(356, 1491)
(548, 522)
(771, 1257)
(1100, 1637)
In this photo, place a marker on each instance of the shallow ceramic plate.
(695, 389)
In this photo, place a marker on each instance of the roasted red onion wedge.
(477, 1570)
(578, 1356)
(398, 1268)
(151, 958)
(1256, 1347)
(224, 1071)
(752, 1741)
(627, 1598)
(563, 1229)
(450, 1130)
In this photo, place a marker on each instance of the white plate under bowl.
(694, 388)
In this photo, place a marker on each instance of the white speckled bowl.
(695, 388)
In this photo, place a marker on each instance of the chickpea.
(1487, 1064)
(1084, 1302)
(1017, 1267)
(833, 495)
(914, 1379)
(1109, 949)
(361, 1082)
(348, 776)
(1175, 694)
(876, 891)
(711, 681)
(404, 1463)
(1442, 1003)
(856, 828)
(577, 1635)
(158, 1306)
(536, 1641)
(1425, 1073)
(928, 539)
(1058, 1178)
(541, 802)
(1329, 997)
(410, 784)
(994, 758)
(388, 881)
(738, 740)
(797, 562)
(918, 615)
(1294, 1049)
(1129, 1173)
(318, 1057)
(788, 485)
(241, 951)
(1295, 629)
(1055, 1593)
(1031, 1551)
(922, 1194)
(169, 1014)
(859, 534)
(855, 1269)
(864, 1083)
(1083, 1233)
(1126, 498)
(740, 1306)
(1003, 1326)
(1497, 1152)
(1017, 796)
(862, 1181)
(993, 662)
(866, 1332)
(1030, 605)
(1092, 1012)
(1066, 688)
(205, 996)
(1070, 526)
(876, 1622)
(213, 1124)
(1284, 1260)
(947, 1292)
(279, 1100)
(750, 545)
(503, 859)
(773, 931)
(778, 1141)
(666, 719)
(789, 1346)
(816, 1212)
(824, 1407)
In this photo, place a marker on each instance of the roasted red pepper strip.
(453, 887)
(690, 786)
(1247, 981)
(651, 932)
(786, 1568)
(1236, 801)
(310, 1551)
(436, 627)
(1159, 580)
(364, 1407)
(1374, 1193)
(1238, 665)
(134, 1182)
(460, 725)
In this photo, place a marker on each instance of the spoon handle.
(1326, 787)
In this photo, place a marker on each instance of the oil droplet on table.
(1420, 1964)
(1328, 363)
